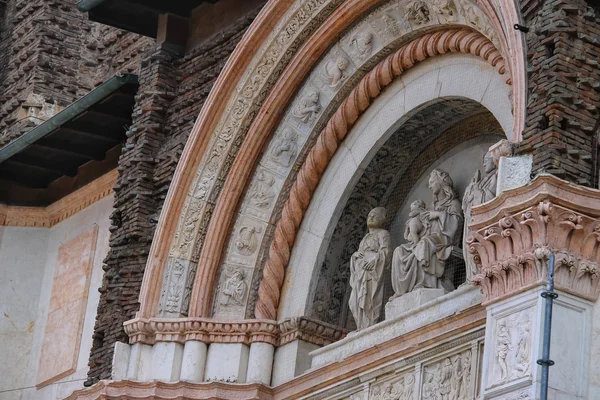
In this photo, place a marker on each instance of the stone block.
(398, 306)
(513, 172)
(227, 362)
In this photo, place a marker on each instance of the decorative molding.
(429, 45)
(157, 390)
(512, 236)
(309, 330)
(47, 217)
(180, 330)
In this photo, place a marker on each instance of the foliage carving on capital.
(511, 249)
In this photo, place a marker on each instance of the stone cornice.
(512, 236)
(180, 330)
(309, 330)
(47, 217)
(152, 330)
(156, 390)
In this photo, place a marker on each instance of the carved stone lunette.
(512, 236)
(429, 45)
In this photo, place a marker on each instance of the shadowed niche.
(418, 145)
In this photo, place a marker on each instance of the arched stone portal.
(424, 105)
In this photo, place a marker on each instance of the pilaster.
(512, 238)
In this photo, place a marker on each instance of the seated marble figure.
(431, 236)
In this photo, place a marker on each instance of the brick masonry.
(171, 94)
(563, 78)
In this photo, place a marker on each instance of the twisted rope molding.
(447, 41)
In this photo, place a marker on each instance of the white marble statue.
(421, 262)
(366, 271)
(480, 190)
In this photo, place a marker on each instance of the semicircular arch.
(213, 246)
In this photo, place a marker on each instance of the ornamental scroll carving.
(511, 239)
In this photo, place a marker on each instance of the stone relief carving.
(363, 45)
(512, 348)
(480, 190)
(247, 241)
(285, 148)
(382, 181)
(421, 262)
(417, 13)
(234, 290)
(255, 84)
(263, 193)
(335, 71)
(401, 389)
(522, 395)
(308, 107)
(175, 287)
(367, 267)
(449, 379)
(445, 9)
(391, 26)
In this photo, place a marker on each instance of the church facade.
(299, 199)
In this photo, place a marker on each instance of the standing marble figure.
(479, 191)
(421, 262)
(366, 271)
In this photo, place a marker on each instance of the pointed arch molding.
(229, 174)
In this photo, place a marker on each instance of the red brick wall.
(171, 93)
(563, 54)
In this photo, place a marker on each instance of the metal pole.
(545, 361)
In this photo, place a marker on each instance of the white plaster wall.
(22, 261)
(594, 373)
(96, 214)
(447, 76)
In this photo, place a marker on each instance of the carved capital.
(512, 236)
(309, 330)
(180, 330)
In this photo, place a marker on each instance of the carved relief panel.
(512, 348)
(232, 292)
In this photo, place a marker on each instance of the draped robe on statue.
(366, 297)
(422, 265)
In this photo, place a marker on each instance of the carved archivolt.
(511, 248)
(235, 123)
(453, 40)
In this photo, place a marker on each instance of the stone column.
(194, 361)
(260, 363)
(511, 238)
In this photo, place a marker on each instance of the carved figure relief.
(285, 148)
(391, 27)
(308, 107)
(512, 352)
(445, 9)
(418, 13)
(175, 289)
(367, 266)
(522, 358)
(449, 379)
(234, 290)
(262, 193)
(421, 262)
(247, 242)
(479, 191)
(363, 44)
(335, 70)
(402, 389)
